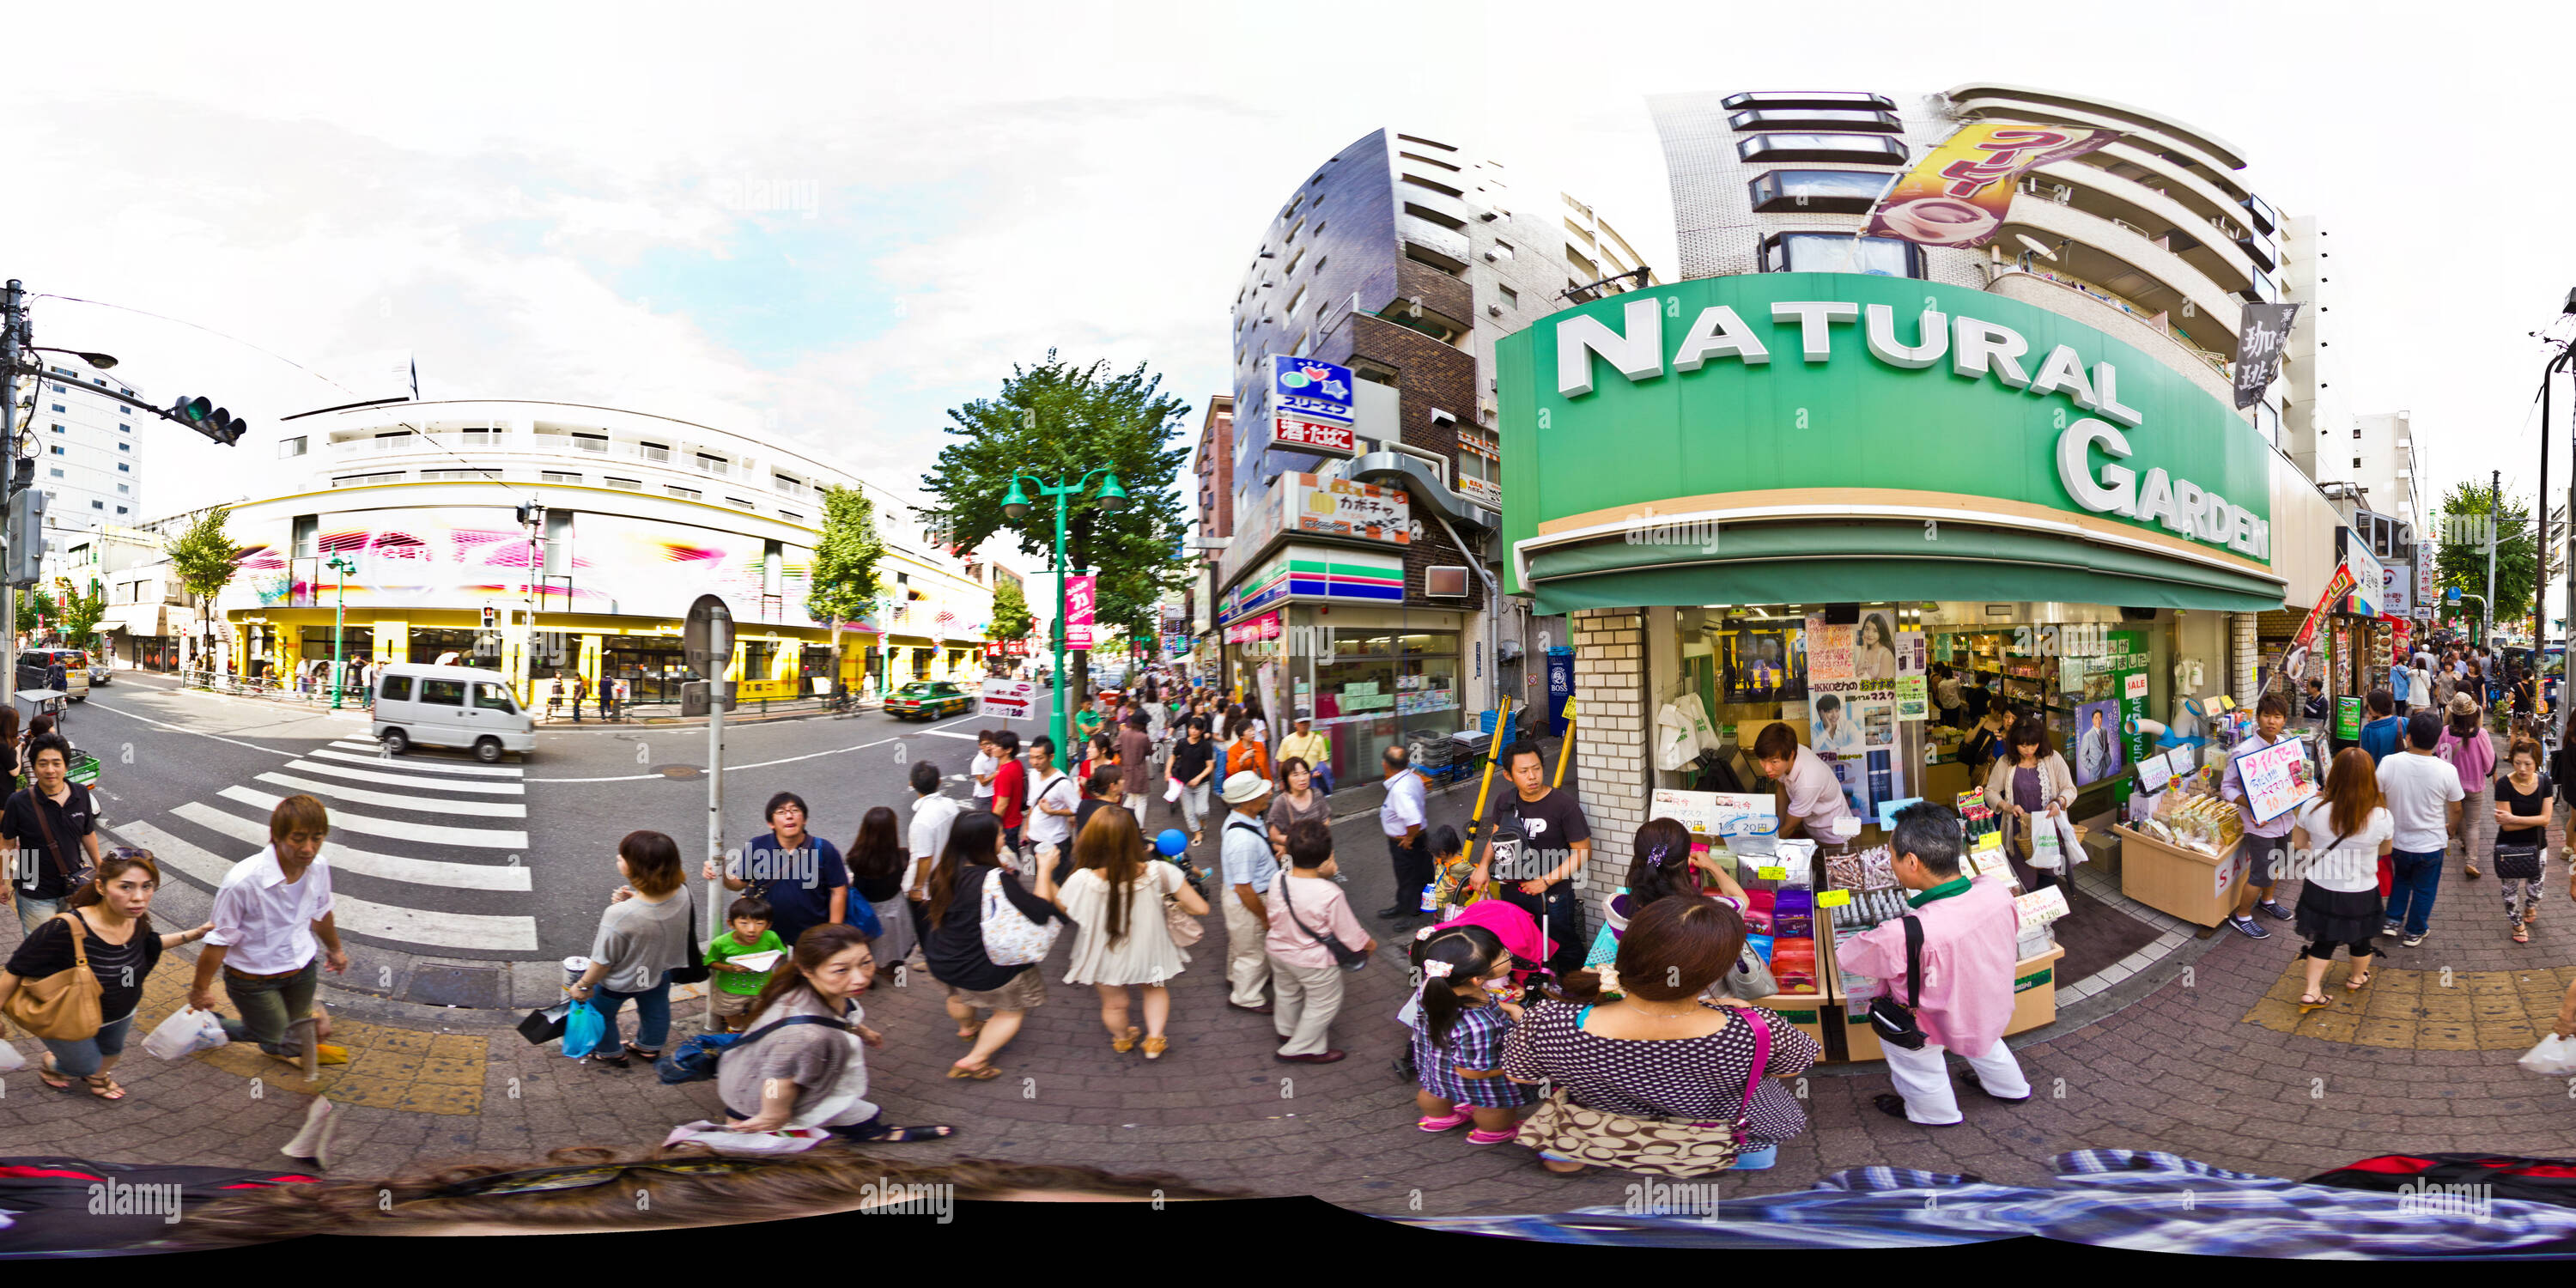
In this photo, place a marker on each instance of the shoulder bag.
(696, 971)
(1185, 929)
(1010, 938)
(695, 1059)
(1347, 957)
(1892, 1020)
(1639, 1143)
(62, 1006)
(36, 802)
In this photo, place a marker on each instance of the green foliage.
(81, 614)
(2462, 558)
(1011, 618)
(35, 608)
(844, 584)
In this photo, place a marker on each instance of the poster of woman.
(1873, 654)
(2097, 742)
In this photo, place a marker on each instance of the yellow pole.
(1565, 753)
(1476, 820)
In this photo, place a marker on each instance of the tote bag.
(1010, 938)
(64, 1005)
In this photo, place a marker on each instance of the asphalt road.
(437, 855)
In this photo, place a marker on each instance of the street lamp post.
(1113, 497)
(343, 565)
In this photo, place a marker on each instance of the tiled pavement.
(2189, 1053)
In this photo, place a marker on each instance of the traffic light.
(203, 416)
(491, 617)
(26, 521)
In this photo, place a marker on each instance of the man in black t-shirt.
(1554, 842)
(39, 875)
(1193, 762)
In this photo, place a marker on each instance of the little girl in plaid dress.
(1459, 1021)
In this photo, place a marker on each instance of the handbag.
(695, 1060)
(1639, 1143)
(1010, 938)
(1185, 929)
(2517, 862)
(1892, 1020)
(696, 971)
(1345, 956)
(546, 1023)
(64, 1005)
(74, 877)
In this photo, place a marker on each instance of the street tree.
(206, 561)
(81, 614)
(1056, 422)
(844, 585)
(1011, 618)
(2469, 512)
(35, 608)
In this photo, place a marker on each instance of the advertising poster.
(1757, 667)
(1874, 647)
(2277, 778)
(2098, 751)
(1958, 193)
(1343, 508)
(1829, 651)
(2127, 662)
(1717, 813)
(1913, 689)
(1009, 699)
(1848, 717)
(1079, 595)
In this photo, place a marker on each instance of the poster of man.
(1835, 731)
(2098, 753)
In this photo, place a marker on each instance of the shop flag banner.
(1079, 596)
(1718, 813)
(2276, 778)
(1307, 389)
(1009, 699)
(2294, 663)
(2262, 336)
(2425, 574)
(1958, 193)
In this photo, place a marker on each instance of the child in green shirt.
(737, 985)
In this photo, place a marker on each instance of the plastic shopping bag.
(187, 1032)
(583, 1029)
(2555, 1057)
(10, 1060)
(793, 1140)
(1171, 791)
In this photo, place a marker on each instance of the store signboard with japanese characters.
(1342, 508)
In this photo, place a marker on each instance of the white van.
(450, 706)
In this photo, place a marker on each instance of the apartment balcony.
(2120, 258)
(2136, 204)
(2100, 310)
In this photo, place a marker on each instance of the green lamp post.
(342, 564)
(1113, 497)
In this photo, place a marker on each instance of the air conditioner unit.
(1494, 310)
(1489, 216)
(1490, 257)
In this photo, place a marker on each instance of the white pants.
(1923, 1078)
(1309, 998)
(1247, 951)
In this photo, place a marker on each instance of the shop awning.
(1868, 562)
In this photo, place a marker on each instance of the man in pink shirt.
(1970, 933)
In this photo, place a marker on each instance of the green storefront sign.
(2347, 727)
(1922, 403)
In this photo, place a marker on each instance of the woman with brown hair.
(955, 949)
(1121, 939)
(1649, 1080)
(112, 913)
(2339, 839)
(811, 1069)
(877, 863)
(2028, 783)
(643, 937)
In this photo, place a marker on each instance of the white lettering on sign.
(1976, 349)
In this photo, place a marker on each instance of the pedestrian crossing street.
(412, 839)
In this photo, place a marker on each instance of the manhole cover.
(455, 986)
(679, 771)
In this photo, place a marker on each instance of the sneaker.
(2246, 927)
(2412, 941)
(2391, 929)
(2277, 912)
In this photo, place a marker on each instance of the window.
(98, 505)
(56, 472)
(125, 447)
(124, 467)
(494, 697)
(120, 509)
(558, 476)
(365, 480)
(2356, 462)
(1873, 148)
(1503, 250)
(791, 516)
(123, 490)
(443, 693)
(460, 476)
(1834, 191)
(1510, 296)
(684, 493)
(1434, 259)
(59, 429)
(395, 688)
(1428, 215)
(737, 503)
(2356, 431)
(58, 388)
(307, 530)
(1295, 301)
(1414, 179)
(125, 429)
(624, 485)
(58, 449)
(1816, 118)
(1416, 156)
(1808, 98)
(1839, 253)
(286, 447)
(653, 451)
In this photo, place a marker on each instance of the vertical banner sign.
(1958, 193)
(2264, 333)
(1078, 600)
(2294, 664)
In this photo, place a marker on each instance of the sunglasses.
(546, 1179)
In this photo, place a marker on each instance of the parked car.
(929, 699)
(99, 670)
(450, 706)
(32, 664)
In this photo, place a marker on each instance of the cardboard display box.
(2178, 880)
(2034, 1004)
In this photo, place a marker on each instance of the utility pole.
(12, 308)
(2495, 525)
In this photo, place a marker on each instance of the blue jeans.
(83, 1057)
(2410, 894)
(652, 1014)
(32, 911)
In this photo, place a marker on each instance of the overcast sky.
(836, 225)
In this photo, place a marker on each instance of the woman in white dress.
(1115, 900)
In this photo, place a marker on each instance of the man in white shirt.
(932, 817)
(2424, 797)
(1810, 797)
(984, 766)
(269, 912)
(1053, 798)
(1400, 816)
(1249, 866)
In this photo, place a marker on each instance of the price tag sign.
(1833, 898)
(1772, 874)
(1990, 841)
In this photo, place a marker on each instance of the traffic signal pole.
(12, 306)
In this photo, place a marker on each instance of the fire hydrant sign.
(1009, 699)
(2276, 778)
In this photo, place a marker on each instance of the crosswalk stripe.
(418, 764)
(356, 916)
(395, 800)
(452, 876)
(408, 780)
(478, 837)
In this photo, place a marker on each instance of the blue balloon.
(1172, 841)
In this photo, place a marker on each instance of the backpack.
(695, 1060)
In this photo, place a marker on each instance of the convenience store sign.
(1840, 380)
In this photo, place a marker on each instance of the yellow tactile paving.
(2477, 1010)
(389, 1068)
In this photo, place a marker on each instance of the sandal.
(2307, 1003)
(47, 1073)
(1480, 1136)
(1126, 1042)
(1155, 1046)
(2521, 933)
(104, 1087)
(969, 1035)
(2359, 981)
(1455, 1119)
(640, 1053)
(980, 1073)
(2469, 870)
